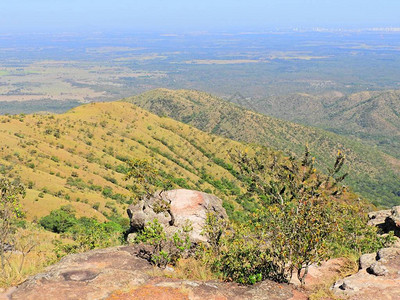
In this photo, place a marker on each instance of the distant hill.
(78, 158)
(373, 116)
(373, 174)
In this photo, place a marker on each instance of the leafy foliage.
(87, 233)
(146, 178)
(166, 248)
(60, 220)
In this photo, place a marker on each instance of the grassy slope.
(372, 173)
(92, 141)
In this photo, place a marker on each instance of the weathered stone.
(378, 269)
(378, 218)
(366, 260)
(318, 274)
(347, 286)
(388, 253)
(381, 280)
(130, 239)
(185, 205)
(396, 213)
(387, 220)
(117, 273)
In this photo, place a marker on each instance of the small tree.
(10, 210)
(298, 214)
(146, 181)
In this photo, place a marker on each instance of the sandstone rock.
(395, 213)
(130, 239)
(387, 220)
(378, 269)
(117, 273)
(346, 286)
(317, 275)
(388, 253)
(366, 260)
(378, 218)
(380, 281)
(184, 205)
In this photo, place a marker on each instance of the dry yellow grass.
(34, 251)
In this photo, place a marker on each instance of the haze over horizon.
(49, 16)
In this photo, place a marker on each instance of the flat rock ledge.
(117, 273)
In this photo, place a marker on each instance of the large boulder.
(118, 273)
(184, 205)
(378, 218)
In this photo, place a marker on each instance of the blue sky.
(199, 15)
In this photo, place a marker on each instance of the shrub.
(60, 220)
(165, 249)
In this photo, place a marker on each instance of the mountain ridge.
(373, 172)
(372, 116)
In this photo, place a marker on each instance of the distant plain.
(101, 67)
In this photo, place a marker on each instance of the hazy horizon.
(49, 16)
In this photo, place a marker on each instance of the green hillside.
(78, 158)
(373, 174)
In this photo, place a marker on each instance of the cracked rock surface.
(117, 273)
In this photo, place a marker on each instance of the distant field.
(65, 81)
(257, 65)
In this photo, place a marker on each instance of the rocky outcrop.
(387, 220)
(379, 273)
(183, 205)
(117, 273)
(378, 277)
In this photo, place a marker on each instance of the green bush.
(60, 220)
(165, 249)
(87, 233)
